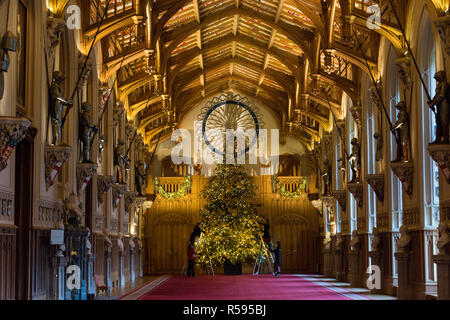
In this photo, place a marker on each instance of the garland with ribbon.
(288, 194)
(173, 195)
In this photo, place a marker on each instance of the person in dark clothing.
(191, 261)
(196, 233)
(277, 263)
(266, 233)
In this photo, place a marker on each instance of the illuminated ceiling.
(296, 57)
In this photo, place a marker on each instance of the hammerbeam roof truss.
(266, 49)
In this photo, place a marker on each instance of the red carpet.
(245, 287)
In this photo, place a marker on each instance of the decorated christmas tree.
(230, 221)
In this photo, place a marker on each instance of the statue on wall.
(355, 160)
(442, 112)
(405, 239)
(401, 130)
(141, 178)
(379, 146)
(72, 210)
(444, 239)
(120, 162)
(88, 244)
(327, 177)
(57, 106)
(10, 43)
(120, 243)
(101, 146)
(108, 242)
(86, 129)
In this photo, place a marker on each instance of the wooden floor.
(139, 282)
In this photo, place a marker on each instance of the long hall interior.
(275, 149)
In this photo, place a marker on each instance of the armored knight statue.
(442, 112)
(327, 177)
(101, 146)
(57, 106)
(355, 160)
(9, 44)
(141, 178)
(120, 162)
(401, 130)
(88, 244)
(86, 129)
(379, 146)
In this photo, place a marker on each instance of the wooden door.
(293, 235)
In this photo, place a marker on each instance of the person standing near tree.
(277, 263)
(191, 260)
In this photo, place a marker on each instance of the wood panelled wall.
(294, 222)
(7, 263)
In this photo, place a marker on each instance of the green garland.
(287, 194)
(173, 195)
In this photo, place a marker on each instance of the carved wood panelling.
(7, 263)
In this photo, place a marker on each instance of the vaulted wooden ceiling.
(296, 57)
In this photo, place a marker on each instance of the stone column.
(121, 269)
(58, 277)
(405, 290)
(443, 260)
(327, 267)
(132, 273)
(338, 259)
(90, 274)
(355, 278)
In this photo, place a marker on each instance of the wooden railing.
(172, 184)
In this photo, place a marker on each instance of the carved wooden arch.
(275, 52)
(291, 218)
(242, 79)
(148, 136)
(138, 107)
(57, 6)
(250, 65)
(172, 218)
(316, 20)
(214, 17)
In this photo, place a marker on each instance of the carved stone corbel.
(85, 172)
(374, 90)
(341, 198)
(104, 183)
(329, 203)
(404, 70)
(316, 202)
(55, 26)
(130, 198)
(12, 131)
(441, 154)
(54, 158)
(356, 112)
(376, 181)
(118, 190)
(357, 190)
(104, 93)
(405, 172)
(443, 27)
(118, 111)
(140, 201)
